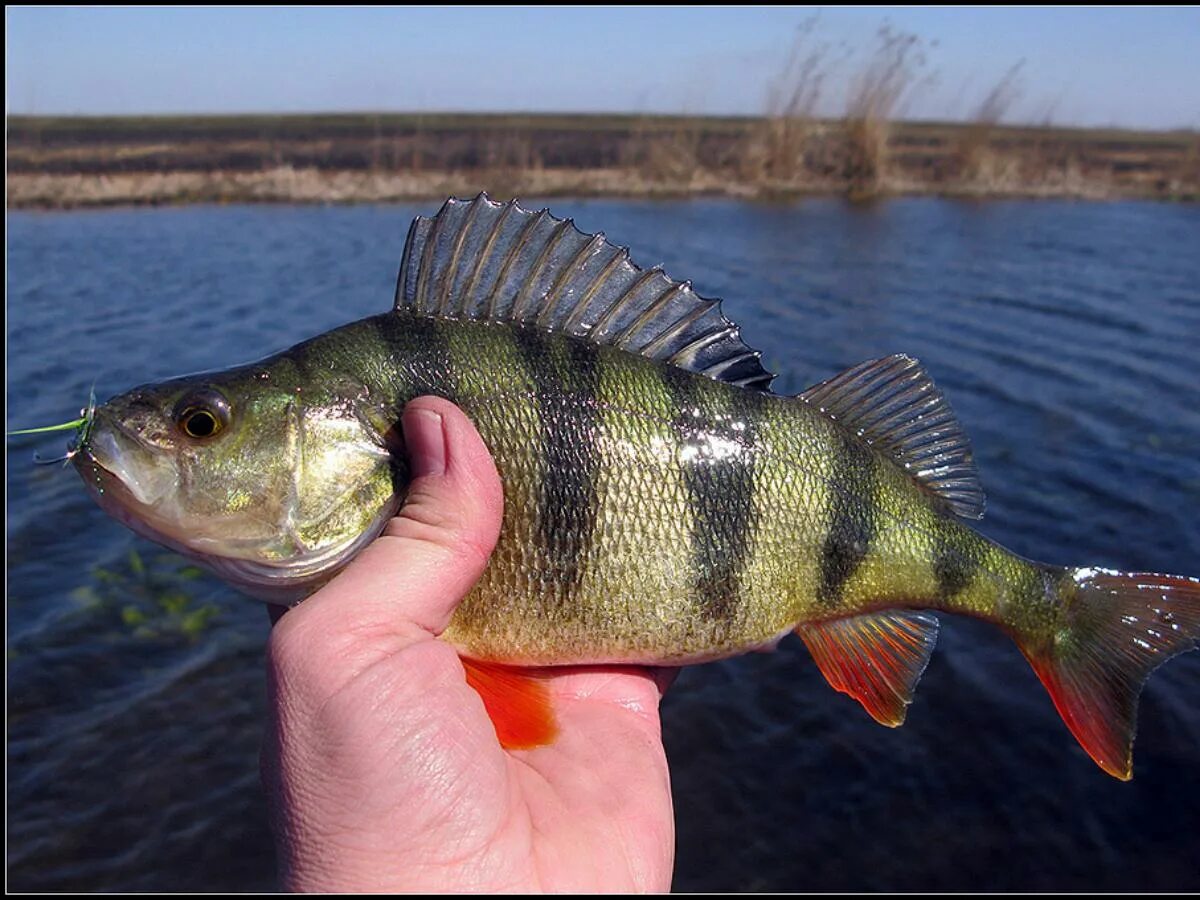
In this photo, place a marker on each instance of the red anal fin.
(876, 658)
(517, 701)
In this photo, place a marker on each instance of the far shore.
(59, 163)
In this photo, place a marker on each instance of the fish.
(662, 506)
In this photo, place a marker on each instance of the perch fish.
(662, 506)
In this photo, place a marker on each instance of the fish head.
(272, 481)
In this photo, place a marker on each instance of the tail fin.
(1116, 627)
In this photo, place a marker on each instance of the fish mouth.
(118, 457)
(110, 489)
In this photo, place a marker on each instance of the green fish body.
(661, 505)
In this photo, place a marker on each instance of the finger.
(407, 583)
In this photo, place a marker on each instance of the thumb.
(405, 586)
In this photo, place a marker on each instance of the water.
(1065, 336)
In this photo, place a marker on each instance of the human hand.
(383, 768)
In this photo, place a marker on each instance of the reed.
(876, 96)
(982, 168)
(778, 151)
(61, 163)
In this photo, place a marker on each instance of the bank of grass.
(58, 162)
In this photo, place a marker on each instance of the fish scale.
(716, 454)
(662, 507)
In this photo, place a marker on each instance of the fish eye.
(202, 414)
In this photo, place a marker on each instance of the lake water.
(1065, 335)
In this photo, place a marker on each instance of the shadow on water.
(1063, 334)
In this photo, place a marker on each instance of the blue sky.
(1132, 67)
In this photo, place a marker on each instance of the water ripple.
(1064, 335)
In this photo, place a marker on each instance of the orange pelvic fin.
(1116, 628)
(517, 701)
(876, 658)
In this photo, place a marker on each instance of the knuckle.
(425, 521)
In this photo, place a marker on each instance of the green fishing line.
(65, 426)
(81, 426)
(82, 423)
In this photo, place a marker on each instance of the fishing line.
(65, 426)
(82, 426)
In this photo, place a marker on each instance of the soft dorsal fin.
(876, 658)
(893, 404)
(478, 259)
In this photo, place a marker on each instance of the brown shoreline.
(57, 163)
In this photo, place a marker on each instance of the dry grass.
(103, 162)
(792, 149)
(285, 184)
(778, 153)
(866, 151)
(877, 96)
(983, 170)
(667, 155)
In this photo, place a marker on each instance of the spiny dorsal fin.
(876, 658)
(478, 259)
(893, 404)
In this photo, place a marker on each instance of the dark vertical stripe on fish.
(719, 479)
(852, 521)
(420, 354)
(570, 417)
(955, 563)
(421, 364)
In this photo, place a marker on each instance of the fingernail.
(426, 442)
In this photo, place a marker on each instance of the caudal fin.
(1116, 628)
